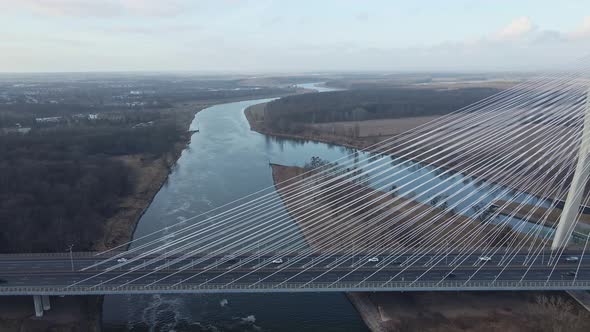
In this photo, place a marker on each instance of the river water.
(225, 161)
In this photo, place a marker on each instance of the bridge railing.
(343, 251)
(302, 287)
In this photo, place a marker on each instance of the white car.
(278, 261)
(485, 258)
(572, 259)
(373, 260)
(122, 260)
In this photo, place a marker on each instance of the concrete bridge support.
(38, 302)
(46, 303)
(571, 208)
(41, 303)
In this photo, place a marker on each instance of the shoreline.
(367, 310)
(167, 163)
(365, 143)
(128, 216)
(362, 231)
(254, 126)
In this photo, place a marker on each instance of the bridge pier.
(38, 302)
(41, 303)
(46, 302)
(572, 204)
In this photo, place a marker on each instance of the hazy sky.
(291, 35)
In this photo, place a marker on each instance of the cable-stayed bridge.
(52, 274)
(492, 196)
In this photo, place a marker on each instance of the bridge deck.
(52, 274)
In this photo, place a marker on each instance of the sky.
(252, 36)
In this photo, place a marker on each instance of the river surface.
(226, 161)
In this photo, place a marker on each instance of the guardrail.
(343, 251)
(302, 287)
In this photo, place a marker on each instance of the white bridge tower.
(571, 208)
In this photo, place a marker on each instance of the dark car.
(570, 273)
(231, 259)
(2, 281)
(451, 276)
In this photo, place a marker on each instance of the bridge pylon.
(573, 201)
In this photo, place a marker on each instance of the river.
(225, 161)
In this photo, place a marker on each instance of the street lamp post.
(353, 253)
(71, 256)
(447, 253)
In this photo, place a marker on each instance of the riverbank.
(151, 175)
(401, 133)
(471, 311)
(362, 224)
(67, 314)
(255, 116)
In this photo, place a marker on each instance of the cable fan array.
(483, 186)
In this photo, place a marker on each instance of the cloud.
(520, 45)
(97, 8)
(265, 42)
(524, 30)
(518, 28)
(362, 17)
(583, 31)
(272, 21)
(548, 36)
(155, 29)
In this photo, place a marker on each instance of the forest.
(290, 113)
(58, 185)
